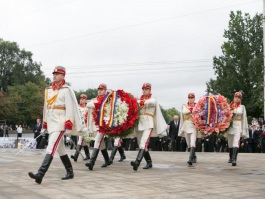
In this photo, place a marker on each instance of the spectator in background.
(1, 131)
(6, 131)
(262, 134)
(19, 131)
(261, 121)
(173, 128)
(249, 142)
(256, 139)
(36, 130)
(254, 121)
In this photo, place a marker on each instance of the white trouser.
(190, 139)
(81, 141)
(117, 141)
(99, 141)
(233, 140)
(56, 142)
(143, 138)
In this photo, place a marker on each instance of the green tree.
(171, 112)
(22, 84)
(240, 68)
(90, 93)
(17, 66)
(25, 103)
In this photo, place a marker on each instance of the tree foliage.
(22, 84)
(240, 67)
(17, 66)
(90, 93)
(169, 113)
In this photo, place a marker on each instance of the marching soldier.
(60, 112)
(187, 128)
(238, 129)
(99, 143)
(81, 142)
(151, 122)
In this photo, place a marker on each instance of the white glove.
(43, 131)
(90, 104)
(68, 132)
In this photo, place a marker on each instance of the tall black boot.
(192, 150)
(75, 156)
(86, 149)
(234, 156)
(194, 160)
(138, 160)
(112, 155)
(122, 154)
(68, 167)
(148, 160)
(106, 157)
(93, 159)
(42, 170)
(230, 155)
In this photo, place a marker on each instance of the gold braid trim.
(52, 99)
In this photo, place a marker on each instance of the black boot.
(230, 155)
(194, 160)
(234, 156)
(188, 149)
(75, 156)
(112, 155)
(148, 160)
(138, 160)
(86, 149)
(93, 159)
(106, 157)
(68, 167)
(122, 154)
(42, 170)
(192, 150)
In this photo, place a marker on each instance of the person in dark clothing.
(36, 130)
(173, 128)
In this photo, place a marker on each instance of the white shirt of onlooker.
(19, 129)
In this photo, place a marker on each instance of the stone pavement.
(170, 177)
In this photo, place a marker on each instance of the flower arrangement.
(212, 114)
(116, 114)
(87, 139)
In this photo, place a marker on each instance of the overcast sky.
(124, 43)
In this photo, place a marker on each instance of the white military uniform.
(186, 127)
(117, 141)
(151, 123)
(239, 127)
(93, 129)
(59, 114)
(84, 111)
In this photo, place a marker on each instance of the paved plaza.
(170, 177)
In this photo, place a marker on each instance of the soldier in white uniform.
(99, 143)
(81, 142)
(59, 114)
(151, 122)
(239, 127)
(187, 128)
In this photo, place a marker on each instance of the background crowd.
(172, 142)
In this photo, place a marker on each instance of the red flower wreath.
(211, 114)
(127, 125)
